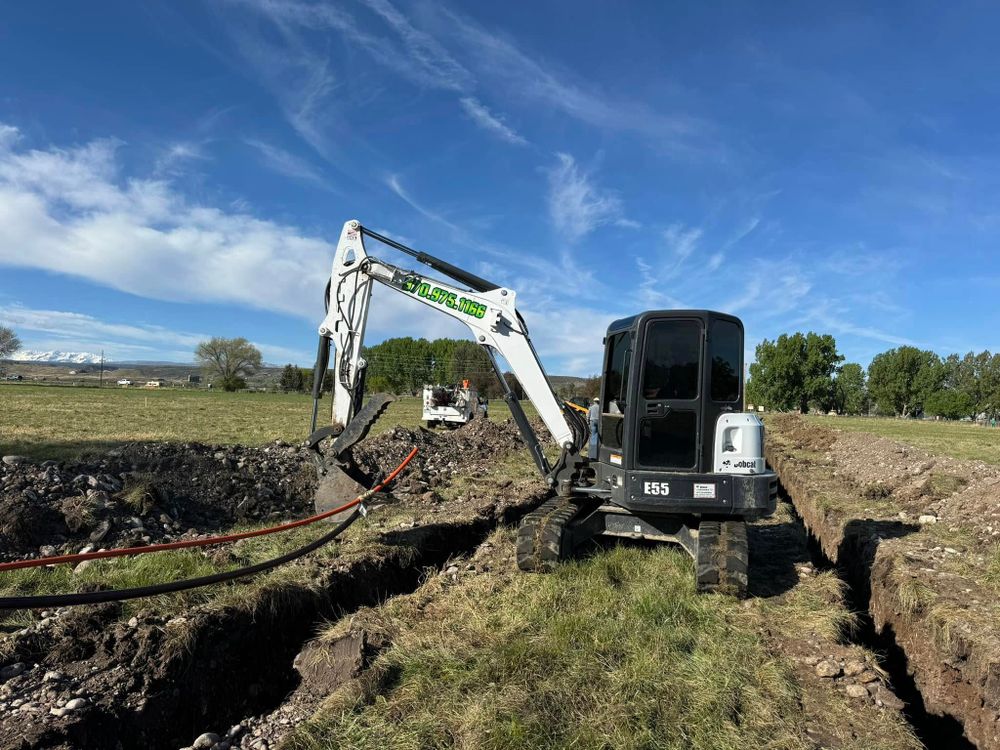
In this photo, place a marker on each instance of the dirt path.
(916, 535)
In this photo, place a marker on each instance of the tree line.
(804, 371)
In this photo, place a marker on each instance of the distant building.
(194, 378)
(155, 383)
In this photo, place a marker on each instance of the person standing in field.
(595, 422)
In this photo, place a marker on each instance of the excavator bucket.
(340, 478)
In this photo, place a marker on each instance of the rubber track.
(540, 538)
(723, 557)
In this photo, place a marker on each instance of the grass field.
(956, 439)
(48, 422)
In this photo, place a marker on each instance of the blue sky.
(171, 171)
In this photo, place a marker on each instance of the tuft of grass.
(614, 651)
(941, 485)
(140, 494)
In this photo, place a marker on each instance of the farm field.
(956, 439)
(61, 422)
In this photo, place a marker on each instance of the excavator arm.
(488, 310)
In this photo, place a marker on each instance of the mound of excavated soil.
(147, 493)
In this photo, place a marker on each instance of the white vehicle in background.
(449, 405)
(124, 382)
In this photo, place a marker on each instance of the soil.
(915, 534)
(154, 680)
(147, 493)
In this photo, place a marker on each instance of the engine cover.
(739, 444)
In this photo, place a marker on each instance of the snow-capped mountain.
(75, 358)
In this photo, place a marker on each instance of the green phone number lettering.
(444, 297)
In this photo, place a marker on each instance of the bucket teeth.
(340, 480)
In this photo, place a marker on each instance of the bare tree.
(9, 342)
(228, 361)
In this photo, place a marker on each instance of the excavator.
(676, 459)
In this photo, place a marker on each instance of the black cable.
(49, 601)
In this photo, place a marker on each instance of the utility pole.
(100, 383)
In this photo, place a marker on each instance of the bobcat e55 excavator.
(676, 462)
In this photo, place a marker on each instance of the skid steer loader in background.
(677, 460)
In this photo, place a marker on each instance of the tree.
(849, 388)
(950, 404)
(900, 380)
(794, 372)
(9, 342)
(291, 379)
(590, 388)
(228, 361)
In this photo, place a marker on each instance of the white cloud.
(490, 122)
(285, 163)
(68, 211)
(576, 205)
(81, 327)
(8, 135)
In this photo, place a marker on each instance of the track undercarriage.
(551, 533)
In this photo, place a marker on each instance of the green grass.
(60, 423)
(957, 439)
(617, 651)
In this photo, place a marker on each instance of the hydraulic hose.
(97, 597)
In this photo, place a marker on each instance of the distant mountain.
(73, 358)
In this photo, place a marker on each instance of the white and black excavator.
(676, 459)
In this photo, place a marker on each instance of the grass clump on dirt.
(614, 651)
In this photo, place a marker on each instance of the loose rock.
(828, 669)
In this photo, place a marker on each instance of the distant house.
(155, 383)
(194, 378)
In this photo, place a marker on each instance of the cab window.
(672, 353)
(726, 342)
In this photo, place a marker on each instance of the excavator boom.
(488, 310)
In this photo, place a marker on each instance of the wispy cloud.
(394, 183)
(87, 328)
(287, 164)
(175, 155)
(485, 119)
(500, 60)
(576, 205)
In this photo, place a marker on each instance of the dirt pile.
(917, 535)
(146, 493)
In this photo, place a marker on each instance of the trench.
(240, 664)
(933, 730)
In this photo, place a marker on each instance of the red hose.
(130, 551)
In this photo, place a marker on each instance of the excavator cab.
(677, 459)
